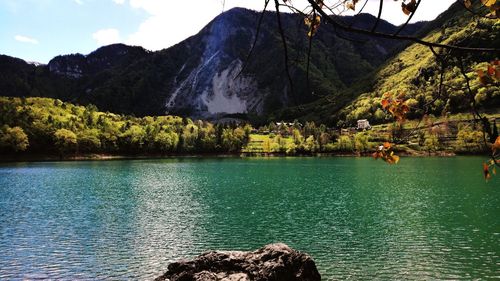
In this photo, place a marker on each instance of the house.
(363, 124)
(286, 124)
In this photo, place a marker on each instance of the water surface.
(360, 219)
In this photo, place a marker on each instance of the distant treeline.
(49, 126)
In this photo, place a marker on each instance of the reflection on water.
(360, 219)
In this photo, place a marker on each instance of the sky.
(38, 30)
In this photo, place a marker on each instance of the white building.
(363, 124)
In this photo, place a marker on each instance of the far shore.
(106, 157)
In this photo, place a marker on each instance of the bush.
(13, 139)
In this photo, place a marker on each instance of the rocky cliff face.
(211, 87)
(276, 262)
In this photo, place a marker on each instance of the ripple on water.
(360, 220)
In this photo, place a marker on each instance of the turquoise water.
(360, 219)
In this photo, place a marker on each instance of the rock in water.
(275, 262)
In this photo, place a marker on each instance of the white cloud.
(173, 21)
(79, 2)
(119, 1)
(25, 39)
(170, 22)
(107, 36)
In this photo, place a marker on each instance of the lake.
(360, 219)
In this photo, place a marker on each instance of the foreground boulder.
(275, 262)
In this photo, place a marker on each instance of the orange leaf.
(486, 171)
(496, 145)
(482, 78)
(491, 70)
(385, 103)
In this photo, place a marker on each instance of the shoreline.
(112, 157)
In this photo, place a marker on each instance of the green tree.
(309, 129)
(298, 139)
(345, 143)
(65, 140)
(14, 139)
(241, 136)
(310, 144)
(190, 136)
(166, 141)
(133, 137)
(431, 143)
(291, 148)
(229, 141)
(109, 137)
(207, 138)
(89, 140)
(248, 130)
(324, 139)
(361, 142)
(469, 140)
(275, 146)
(282, 143)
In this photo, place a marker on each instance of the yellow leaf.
(396, 159)
(307, 21)
(488, 3)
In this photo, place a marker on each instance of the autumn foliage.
(489, 167)
(396, 106)
(386, 153)
(490, 75)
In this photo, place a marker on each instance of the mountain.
(198, 77)
(415, 73)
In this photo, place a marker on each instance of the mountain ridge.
(196, 77)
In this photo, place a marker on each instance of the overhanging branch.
(333, 22)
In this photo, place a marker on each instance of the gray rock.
(275, 262)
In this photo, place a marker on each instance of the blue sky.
(38, 30)
(60, 26)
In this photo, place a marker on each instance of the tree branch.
(257, 32)
(285, 48)
(409, 19)
(379, 15)
(396, 37)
